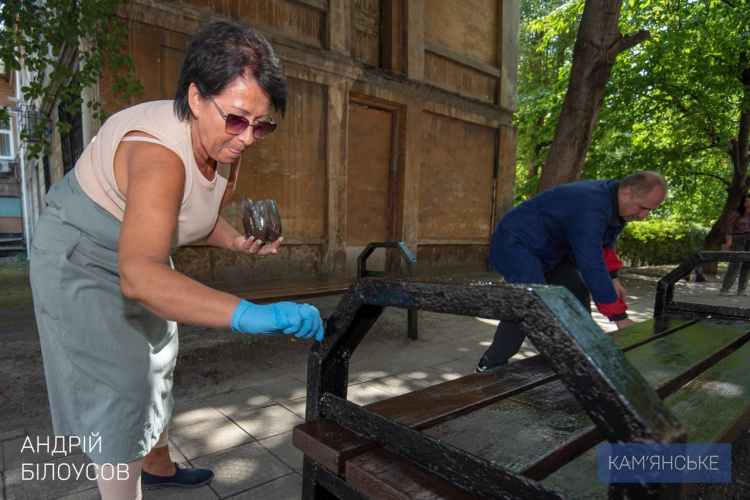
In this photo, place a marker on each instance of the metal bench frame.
(618, 400)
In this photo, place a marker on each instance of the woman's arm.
(155, 179)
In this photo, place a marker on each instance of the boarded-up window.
(456, 181)
(368, 181)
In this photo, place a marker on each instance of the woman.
(105, 295)
(737, 239)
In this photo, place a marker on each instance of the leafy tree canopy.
(674, 104)
(63, 47)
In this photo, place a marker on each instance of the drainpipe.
(22, 160)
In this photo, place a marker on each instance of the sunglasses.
(235, 125)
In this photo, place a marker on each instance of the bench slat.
(382, 474)
(713, 408)
(429, 406)
(548, 422)
(328, 443)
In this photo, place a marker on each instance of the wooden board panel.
(428, 406)
(366, 31)
(385, 475)
(157, 55)
(169, 70)
(548, 417)
(451, 75)
(716, 400)
(368, 183)
(420, 408)
(469, 27)
(455, 181)
(290, 167)
(297, 20)
(647, 331)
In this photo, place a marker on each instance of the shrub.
(659, 242)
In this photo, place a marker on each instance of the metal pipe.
(22, 161)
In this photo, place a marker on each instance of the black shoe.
(183, 477)
(481, 367)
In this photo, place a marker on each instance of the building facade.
(12, 231)
(398, 127)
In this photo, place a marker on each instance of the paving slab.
(281, 447)
(208, 437)
(239, 401)
(282, 389)
(457, 367)
(286, 488)
(430, 375)
(397, 384)
(192, 412)
(267, 422)
(297, 406)
(202, 493)
(242, 468)
(364, 394)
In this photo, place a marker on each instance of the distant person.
(106, 298)
(737, 239)
(566, 236)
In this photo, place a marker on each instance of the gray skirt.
(108, 361)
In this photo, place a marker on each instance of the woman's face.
(242, 97)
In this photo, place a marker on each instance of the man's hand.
(621, 292)
(624, 323)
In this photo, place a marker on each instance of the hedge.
(659, 242)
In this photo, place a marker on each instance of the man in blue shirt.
(566, 236)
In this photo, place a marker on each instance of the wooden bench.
(528, 429)
(263, 293)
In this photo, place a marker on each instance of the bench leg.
(412, 321)
(318, 483)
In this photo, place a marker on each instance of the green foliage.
(673, 102)
(250, 341)
(65, 46)
(658, 242)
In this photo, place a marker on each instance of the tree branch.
(627, 42)
(726, 182)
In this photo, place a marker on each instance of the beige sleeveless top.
(199, 208)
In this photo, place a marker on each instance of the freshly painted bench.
(528, 429)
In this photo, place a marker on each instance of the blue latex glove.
(273, 319)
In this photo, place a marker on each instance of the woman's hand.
(302, 320)
(252, 246)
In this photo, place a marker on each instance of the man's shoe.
(481, 367)
(184, 477)
(724, 292)
(742, 293)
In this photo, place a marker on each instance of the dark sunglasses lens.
(236, 124)
(261, 130)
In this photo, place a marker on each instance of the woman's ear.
(195, 101)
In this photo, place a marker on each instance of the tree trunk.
(598, 43)
(740, 157)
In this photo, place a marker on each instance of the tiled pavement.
(245, 434)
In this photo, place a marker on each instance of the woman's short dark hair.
(741, 207)
(220, 53)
